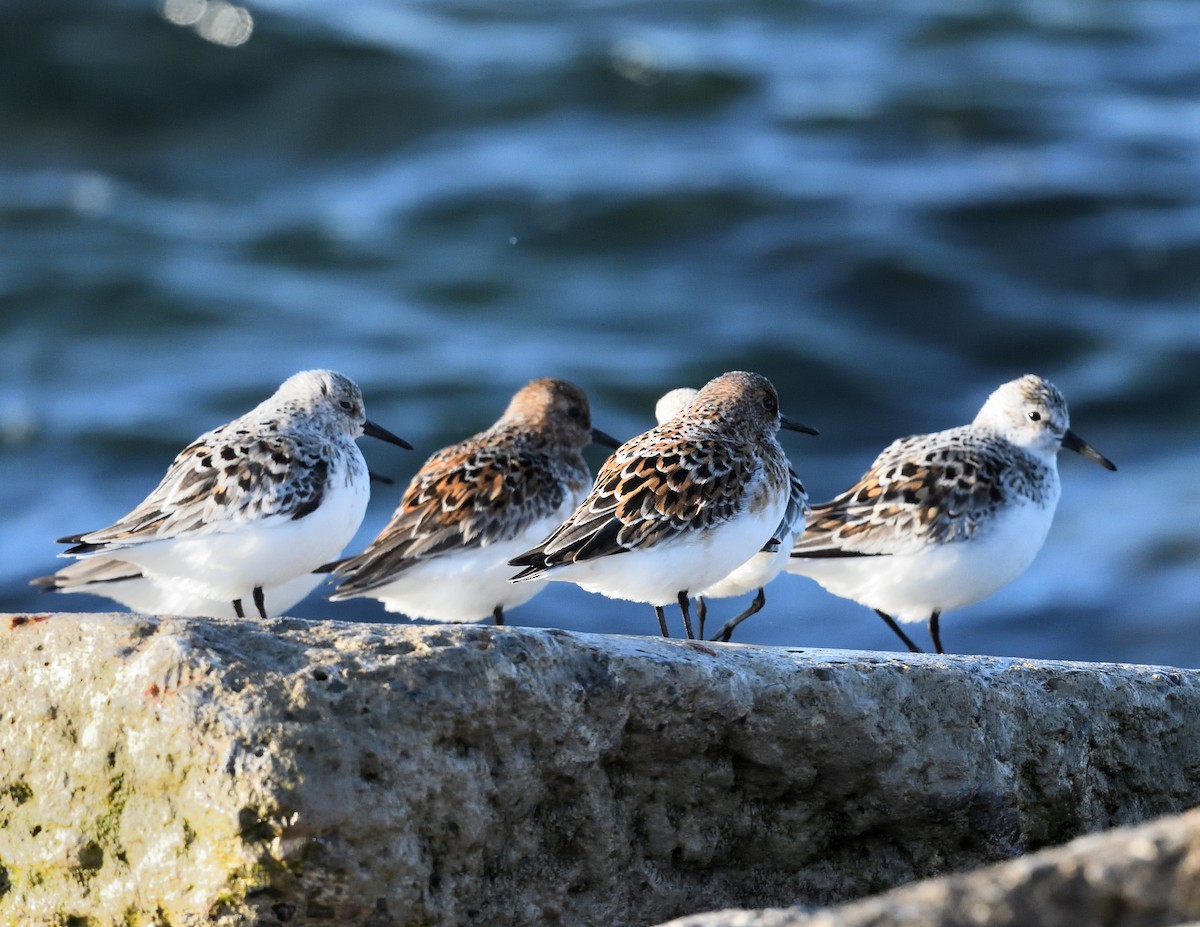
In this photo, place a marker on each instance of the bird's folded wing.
(641, 500)
(905, 501)
(219, 482)
(460, 499)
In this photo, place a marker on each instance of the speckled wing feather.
(918, 490)
(225, 478)
(94, 571)
(463, 497)
(645, 496)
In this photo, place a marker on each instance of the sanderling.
(476, 504)
(125, 583)
(255, 503)
(682, 504)
(763, 566)
(943, 520)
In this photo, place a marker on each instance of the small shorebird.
(680, 506)
(476, 504)
(943, 520)
(255, 503)
(763, 566)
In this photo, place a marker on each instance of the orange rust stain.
(152, 690)
(16, 621)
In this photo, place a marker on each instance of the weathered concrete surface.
(223, 772)
(1144, 876)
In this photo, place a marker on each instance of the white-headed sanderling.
(255, 503)
(125, 583)
(476, 504)
(680, 506)
(943, 520)
(763, 566)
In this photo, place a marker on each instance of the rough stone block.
(170, 771)
(1143, 876)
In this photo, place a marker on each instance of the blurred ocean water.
(888, 209)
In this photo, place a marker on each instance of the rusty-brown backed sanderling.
(678, 507)
(475, 505)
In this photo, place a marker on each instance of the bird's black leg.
(662, 621)
(891, 623)
(498, 616)
(701, 613)
(935, 631)
(687, 615)
(237, 608)
(752, 609)
(259, 603)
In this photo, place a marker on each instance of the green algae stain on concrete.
(12, 796)
(108, 824)
(18, 791)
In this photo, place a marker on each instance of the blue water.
(888, 209)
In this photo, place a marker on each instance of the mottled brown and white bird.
(680, 506)
(476, 504)
(762, 567)
(255, 503)
(943, 520)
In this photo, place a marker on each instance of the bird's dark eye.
(575, 411)
(346, 404)
(1035, 416)
(770, 403)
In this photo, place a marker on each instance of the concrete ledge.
(1144, 876)
(170, 771)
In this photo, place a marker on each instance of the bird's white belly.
(228, 565)
(910, 586)
(658, 574)
(755, 572)
(468, 584)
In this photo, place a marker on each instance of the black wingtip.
(830, 553)
(80, 548)
(331, 566)
(533, 561)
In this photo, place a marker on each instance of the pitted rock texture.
(1144, 876)
(170, 771)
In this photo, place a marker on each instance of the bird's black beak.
(1072, 442)
(792, 425)
(380, 478)
(374, 431)
(603, 437)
